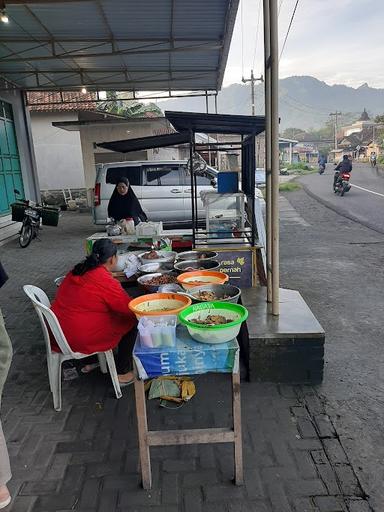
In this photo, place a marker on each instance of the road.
(363, 203)
(339, 273)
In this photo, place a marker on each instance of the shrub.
(289, 186)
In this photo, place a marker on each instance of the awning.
(141, 143)
(124, 45)
(216, 123)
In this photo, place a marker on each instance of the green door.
(10, 171)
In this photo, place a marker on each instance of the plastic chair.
(42, 305)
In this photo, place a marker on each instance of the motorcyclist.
(321, 162)
(344, 166)
(373, 159)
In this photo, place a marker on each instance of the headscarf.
(127, 206)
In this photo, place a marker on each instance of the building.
(362, 123)
(65, 135)
(305, 153)
(17, 162)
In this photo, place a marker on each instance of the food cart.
(239, 249)
(290, 347)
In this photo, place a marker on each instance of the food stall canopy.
(123, 45)
(216, 123)
(141, 143)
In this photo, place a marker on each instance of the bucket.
(18, 210)
(228, 182)
(50, 216)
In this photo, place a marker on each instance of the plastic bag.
(132, 264)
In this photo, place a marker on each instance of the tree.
(128, 108)
(379, 119)
(293, 133)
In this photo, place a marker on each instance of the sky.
(337, 41)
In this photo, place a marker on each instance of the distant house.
(362, 123)
(306, 153)
(356, 144)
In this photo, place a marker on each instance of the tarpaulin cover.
(187, 357)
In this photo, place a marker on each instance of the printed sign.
(238, 266)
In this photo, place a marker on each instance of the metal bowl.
(164, 257)
(220, 290)
(191, 265)
(197, 255)
(162, 268)
(142, 280)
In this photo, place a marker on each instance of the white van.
(163, 189)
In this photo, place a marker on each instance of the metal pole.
(191, 140)
(253, 92)
(253, 81)
(267, 75)
(274, 63)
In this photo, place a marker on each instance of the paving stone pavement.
(85, 458)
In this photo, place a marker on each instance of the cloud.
(338, 41)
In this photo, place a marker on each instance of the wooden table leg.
(236, 404)
(142, 426)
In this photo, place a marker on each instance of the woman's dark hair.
(102, 250)
(124, 180)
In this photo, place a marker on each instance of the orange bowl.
(201, 277)
(156, 304)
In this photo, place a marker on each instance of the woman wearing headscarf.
(92, 309)
(5, 363)
(124, 203)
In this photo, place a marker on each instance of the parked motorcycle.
(31, 215)
(342, 184)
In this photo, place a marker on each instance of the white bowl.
(165, 256)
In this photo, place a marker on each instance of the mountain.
(304, 101)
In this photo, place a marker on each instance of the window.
(164, 175)
(132, 173)
(204, 180)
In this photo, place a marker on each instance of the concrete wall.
(58, 153)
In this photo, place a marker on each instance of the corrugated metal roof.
(136, 45)
(216, 123)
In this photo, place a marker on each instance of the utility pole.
(253, 80)
(335, 116)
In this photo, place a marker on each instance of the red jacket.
(93, 311)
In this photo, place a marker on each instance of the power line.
(289, 28)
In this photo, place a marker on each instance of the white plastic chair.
(42, 305)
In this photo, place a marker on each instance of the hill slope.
(305, 102)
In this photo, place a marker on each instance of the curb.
(334, 208)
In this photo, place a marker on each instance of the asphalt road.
(363, 203)
(339, 273)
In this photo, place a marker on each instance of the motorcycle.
(31, 214)
(321, 168)
(342, 184)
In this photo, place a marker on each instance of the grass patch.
(289, 186)
(300, 168)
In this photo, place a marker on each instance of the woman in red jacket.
(92, 309)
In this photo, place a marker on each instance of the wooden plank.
(142, 427)
(192, 436)
(236, 405)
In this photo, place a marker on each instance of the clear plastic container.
(157, 331)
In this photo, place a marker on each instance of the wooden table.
(186, 345)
